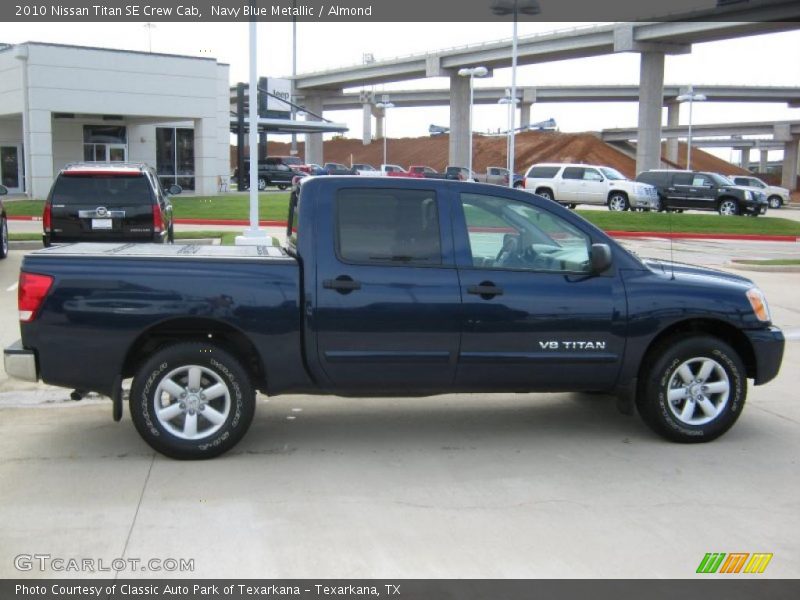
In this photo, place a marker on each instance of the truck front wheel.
(192, 401)
(693, 389)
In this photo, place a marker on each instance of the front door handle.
(485, 290)
(343, 284)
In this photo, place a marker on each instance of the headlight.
(758, 301)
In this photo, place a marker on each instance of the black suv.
(696, 190)
(271, 171)
(108, 202)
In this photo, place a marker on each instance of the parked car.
(108, 202)
(315, 169)
(332, 168)
(460, 174)
(3, 225)
(393, 171)
(499, 176)
(391, 287)
(271, 172)
(572, 184)
(776, 196)
(295, 163)
(365, 169)
(699, 190)
(425, 172)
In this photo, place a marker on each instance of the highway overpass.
(673, 34)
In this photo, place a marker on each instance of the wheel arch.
(545, 188)
(713, 327)
(617, 191)
(195, 329)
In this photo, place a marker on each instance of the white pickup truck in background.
(573, 184)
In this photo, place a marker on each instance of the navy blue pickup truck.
(392, 287)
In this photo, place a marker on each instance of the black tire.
(282, 186)
(518, 185)
(545, 193)
(728, 207)
(775, 202)
(171, 233)
(571, 206)
(662, 373)
(233, 411)
(3, 238)
(618, 202)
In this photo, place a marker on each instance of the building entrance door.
(11, 169)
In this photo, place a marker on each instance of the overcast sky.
(758, 60)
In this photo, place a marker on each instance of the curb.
(763, 268)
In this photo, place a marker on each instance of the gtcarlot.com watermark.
(60, 564)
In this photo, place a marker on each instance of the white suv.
(776, 196)
(572, 184)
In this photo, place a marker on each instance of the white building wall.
(145, 89)
(11, 98)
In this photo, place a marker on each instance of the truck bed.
(107, 296)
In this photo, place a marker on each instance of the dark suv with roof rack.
(108, 202)
(700, 190)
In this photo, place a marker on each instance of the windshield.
(291, 160)
(102, 190)
(720, 179)
(613, 174)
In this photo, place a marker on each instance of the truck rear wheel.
(693, 389)
(192, 401)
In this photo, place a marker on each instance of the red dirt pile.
(531, 147)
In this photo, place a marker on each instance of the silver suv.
(573, 184)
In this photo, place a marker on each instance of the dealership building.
(62, 104)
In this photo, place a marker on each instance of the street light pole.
(512, 105)
(514, 7)
(691, 97)
(385, 106)
(472, 73)
(293, 150)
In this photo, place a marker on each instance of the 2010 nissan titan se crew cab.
(392, 287)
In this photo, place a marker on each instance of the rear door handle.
(343, 284)
(485, 290)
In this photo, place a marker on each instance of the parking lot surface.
(466, 486)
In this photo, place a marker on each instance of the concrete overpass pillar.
(763, 161)
(39, 136)
(651, 99)
(673, 120)
(789, 176)
(314, 140)
(378, 113)
(744, 160)
(366, 136)
(525, 114)
(459, 121)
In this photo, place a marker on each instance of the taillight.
(47, 217)
(158, 220)
(32, 290)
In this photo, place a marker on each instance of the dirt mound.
(531, 147)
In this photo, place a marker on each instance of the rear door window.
(573, 173)
(388, 227)
(543, 172)
(102, 190)
(682, 179)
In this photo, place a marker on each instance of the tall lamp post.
(385, 106)
(691, 98)
(472, 73)
(511, 102)
(514, 8)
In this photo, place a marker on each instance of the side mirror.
(3, 190)
(174, 190)
(600, 257)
